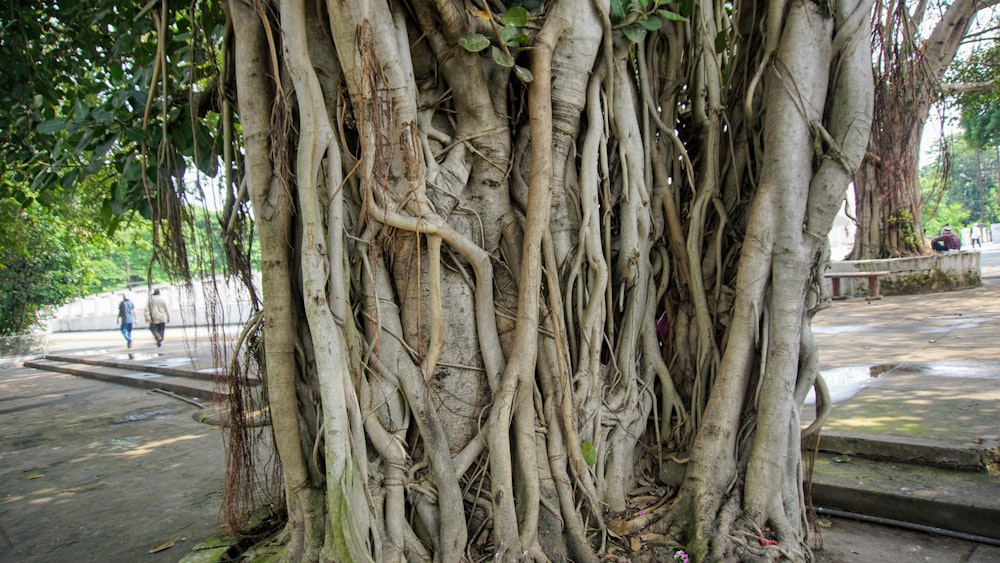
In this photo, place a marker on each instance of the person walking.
(975, 235)
(126, 318)
(157, 315)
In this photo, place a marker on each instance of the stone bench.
(873, 283)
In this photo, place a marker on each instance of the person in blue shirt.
(126, 318)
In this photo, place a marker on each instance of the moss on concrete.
(936, 280)
(211, 550)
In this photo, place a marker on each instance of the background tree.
(909, 69)
(980, 118)
(39, 265)
(519, 261)
(90, 120)
(960, 187)
(979, 107)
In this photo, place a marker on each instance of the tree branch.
(966, 87)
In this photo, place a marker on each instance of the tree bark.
(498, 306)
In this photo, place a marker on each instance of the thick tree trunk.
(887, 190)
(274, 218)
(495, 307)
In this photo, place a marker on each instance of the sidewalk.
(92, 472)
(915, 431)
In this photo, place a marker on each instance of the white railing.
(227, 302)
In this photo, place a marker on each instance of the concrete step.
(185, 386)
(148, 361)
(981, 455)
(959, 501)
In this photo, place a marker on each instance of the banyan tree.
(537, 276)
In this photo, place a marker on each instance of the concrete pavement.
(915, 431)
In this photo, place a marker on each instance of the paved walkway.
(920, 366)
(916, 382)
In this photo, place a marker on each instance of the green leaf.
(589, 453)
(94, 166)
(132, 171)
(70, 178)
(47, 198)
(107, 213)
(720, 41)
(618, 10)
(103, 148)
(520, 39)
(57, 149)
(523, 74)
(80, 111)
(84, 144)
(51, 126)
(635, 32)
(41, 181)
(474, 43)
(515, 16)
(501, 58)
(103, 116)
(651, 23)
(672, 16)
(511, 36)
(136, 134)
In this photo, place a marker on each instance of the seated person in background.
(947, 241)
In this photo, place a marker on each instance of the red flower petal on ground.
(766, 542)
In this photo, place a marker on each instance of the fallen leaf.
(481, 14)
(635, 543)
(842, 459)
(36, 476)
(824, 523)
(618, 528)
(163, 547)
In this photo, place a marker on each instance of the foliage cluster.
(960, 187)
(37, 265)
(111, 129)
(979, 106)
(79, 84)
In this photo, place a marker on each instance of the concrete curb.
(207, 374)
(959, 501)
(914, 451)
(143, 379)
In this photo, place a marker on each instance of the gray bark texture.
(538, 278)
